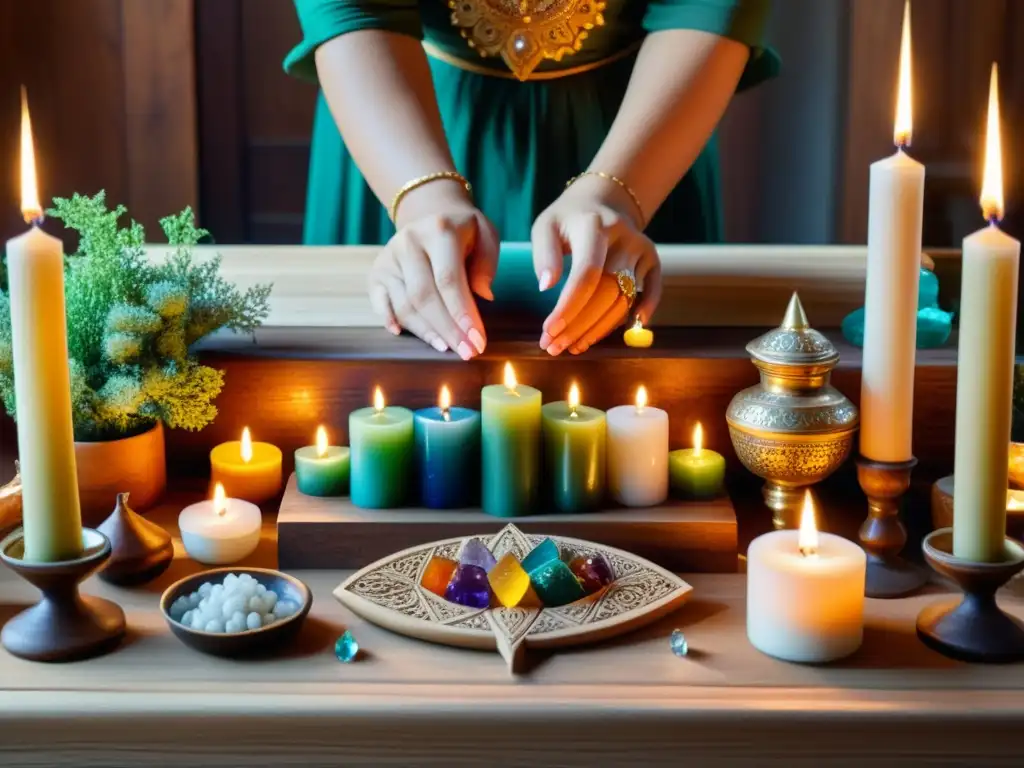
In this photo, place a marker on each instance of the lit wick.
(321, 442)
(574, 401)
(510, 380)
(444, 402)
(698, 440)
(904, 103)
(378, 401)
(807, 540)
(245, 448)
(220, 500)
(992, 204)
(641, 399)
(31, 210)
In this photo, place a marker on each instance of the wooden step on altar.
(334, 533)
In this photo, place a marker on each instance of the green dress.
(516, 142)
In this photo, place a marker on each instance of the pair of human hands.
(445, 251)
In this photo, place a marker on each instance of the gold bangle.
(419, 182)
(615, 179)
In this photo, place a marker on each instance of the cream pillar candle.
(638, 453)
(895, 210)
(42, 384)
(805, 593)
(984, 381)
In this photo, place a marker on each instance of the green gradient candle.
(510, 471)
(322, 469)
(574, 454)
(696, 473)
(382, 449)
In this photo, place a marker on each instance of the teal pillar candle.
(382, 448)
(322, 469)
(696, 473)
(448, 455)
(510, 447)
(574, 454)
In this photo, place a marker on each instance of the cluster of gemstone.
(543, 577)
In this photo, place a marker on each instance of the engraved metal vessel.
(794, 428)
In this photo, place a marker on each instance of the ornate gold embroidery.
(526, 32)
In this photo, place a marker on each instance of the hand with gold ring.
(612, 261)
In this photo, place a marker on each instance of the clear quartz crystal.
(346, 649)
(677, 642)
(519, 43)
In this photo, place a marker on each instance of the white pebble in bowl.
(238, 604)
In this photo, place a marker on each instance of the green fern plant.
(132, 324)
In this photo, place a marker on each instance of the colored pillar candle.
(510, 442)
(221, 530)
(574, 453)
(984, 382)
(382, 443)
(248, 470)
(322, 469)
(51, 515)
(447, 454)
(805, 593)
(895, 212)
(638, 453)
(696, 473)
(638, 336)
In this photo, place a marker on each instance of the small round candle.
(510, 447)
(448, 454)
(638, 453)
(322, 469)
(382, 444)
(220, 530)
(247, 470)
(574, 453)
(638, 336)
(805, 593)
(696, 473)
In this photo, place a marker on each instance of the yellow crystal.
(509, 581)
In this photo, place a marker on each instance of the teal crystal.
(540, 555)
(677, 642)
(933, 324)
(346, 649)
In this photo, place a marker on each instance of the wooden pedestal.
(333, 533)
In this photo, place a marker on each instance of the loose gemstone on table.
(593, 572)
(677, 642)
(475, 552)
(539, 555)
(509, 581)
(556, 584)
(437, 574)
(469, 587)
(346, 649)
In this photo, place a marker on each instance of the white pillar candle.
(984, 381)
(221, 530)
(51, 515)
(638, 453)
(895, 211)
(805, 593)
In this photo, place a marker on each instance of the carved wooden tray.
(388, 593)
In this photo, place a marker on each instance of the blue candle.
(448, 454)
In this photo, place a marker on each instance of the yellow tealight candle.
(247, 470)
(638, 336)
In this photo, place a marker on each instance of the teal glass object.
(933, 323)
(346, 649)
(556, 584)
(515, 283)
(543, 553)
(382, 453)
(677, 642)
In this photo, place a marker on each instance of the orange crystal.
(437, 574)
(509, 582)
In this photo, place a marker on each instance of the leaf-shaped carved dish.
(388, 593)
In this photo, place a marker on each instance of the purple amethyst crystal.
(469, 587)
(475, 552)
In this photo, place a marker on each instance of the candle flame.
(808, 537)
(698, 439)
(220, 500)
(510, 377)
(444, 399)
(903, 127)
(246, 446)
(30, 207)
(321, 441)
(992, 182)
(378, 399)
(641, 397)
(574, 397)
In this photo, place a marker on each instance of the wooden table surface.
(628, 701)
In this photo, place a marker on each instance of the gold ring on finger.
(627, 286)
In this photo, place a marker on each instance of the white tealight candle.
(805, 593)
(638, 453)
(220, 530)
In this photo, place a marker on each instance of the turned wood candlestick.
(882, 535)
(140, 549)
(63, 625)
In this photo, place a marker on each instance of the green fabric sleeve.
(323, 20)
(740, 20)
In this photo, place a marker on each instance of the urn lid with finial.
(141, 549)
(794, 342)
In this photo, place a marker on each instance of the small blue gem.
(677, 642)
(346, 649)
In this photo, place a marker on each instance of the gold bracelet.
(616, 180)
(419, 182)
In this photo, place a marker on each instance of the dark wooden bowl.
(251, 642)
